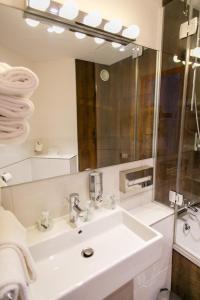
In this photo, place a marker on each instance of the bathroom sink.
(95, 259)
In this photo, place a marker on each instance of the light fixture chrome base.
(75, 25)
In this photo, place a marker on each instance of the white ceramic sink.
(123, 247)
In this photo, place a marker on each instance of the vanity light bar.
(51, 15)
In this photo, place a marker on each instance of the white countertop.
(151, 213)
(55, 156)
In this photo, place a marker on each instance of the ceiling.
(37, 44)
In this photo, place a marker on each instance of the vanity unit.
(95, 259)
(127, 250)
(161, 218)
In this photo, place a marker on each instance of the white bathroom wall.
(28, 200)
(12, 58)
(55, 121)
(145, 13)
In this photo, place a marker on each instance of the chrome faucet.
(192, 208)
(192, 212)
(74, 208)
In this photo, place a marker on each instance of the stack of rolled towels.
(17, 268)
(17, 85)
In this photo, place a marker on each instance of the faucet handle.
(74, 198)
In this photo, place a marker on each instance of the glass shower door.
(188, 173)
(187, 225)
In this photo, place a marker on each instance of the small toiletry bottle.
(45, 223)
(87, 214)
(111, 202)
(38, 147)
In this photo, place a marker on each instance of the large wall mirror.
(94, 106)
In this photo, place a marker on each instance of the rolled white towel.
(13, 236)
(17, 81)
(13, 132)
(15, 108)
(12, 279)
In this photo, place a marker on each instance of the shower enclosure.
(178, 149)
(187, 233)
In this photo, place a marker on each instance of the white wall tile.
(28, 200)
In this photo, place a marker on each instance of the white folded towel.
(15, 108)
(13, 132)
(17, 81)
(12, 280)
(13, 235)
(4, 67)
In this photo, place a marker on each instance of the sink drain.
(88, 252)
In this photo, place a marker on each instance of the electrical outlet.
(175, 198)
(188, 29)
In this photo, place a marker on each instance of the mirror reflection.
(93, 106)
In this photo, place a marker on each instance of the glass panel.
(187, 230)
(171, 94)
(189, 181)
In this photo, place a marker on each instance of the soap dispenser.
(96, 188)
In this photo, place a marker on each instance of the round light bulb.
(132, 32)
(99, 41)
(50, 29)
(176, 59)
(69, 10)
(40, 4)
(116, 45)
(32, 23)
(114, 26)
(93, 19)
(58, 29)
(54, 10)
(80, 35)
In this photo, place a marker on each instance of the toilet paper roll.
(6, 177)
(2, 183)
